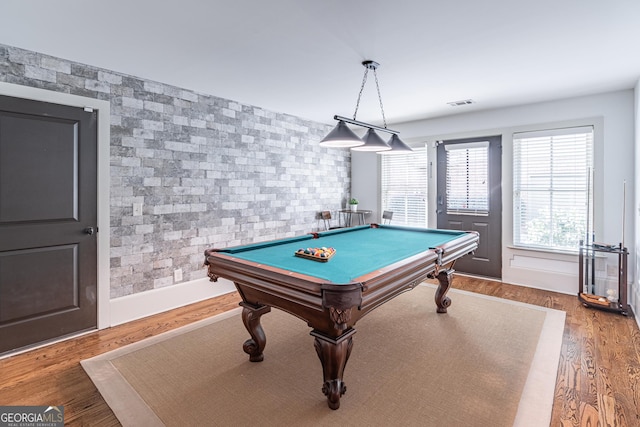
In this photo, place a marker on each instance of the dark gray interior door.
(48, 218)
(470, 198)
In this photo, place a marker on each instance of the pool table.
(371, 265)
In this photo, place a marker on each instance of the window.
(467, 178)
(404, 187)
(552, 197)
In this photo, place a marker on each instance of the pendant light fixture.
(397, 146)
(342, 136)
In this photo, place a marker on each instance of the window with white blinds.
(468, 178)
(552, 197)
(404, 187)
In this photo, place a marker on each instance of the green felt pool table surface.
(359, 250)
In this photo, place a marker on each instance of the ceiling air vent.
(461, 103)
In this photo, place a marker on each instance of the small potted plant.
(353, 202)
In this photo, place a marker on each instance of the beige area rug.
(488, 362)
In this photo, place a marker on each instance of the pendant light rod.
(366, 125)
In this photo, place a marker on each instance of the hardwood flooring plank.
(588, 386)
(586, 396)
(598, 381)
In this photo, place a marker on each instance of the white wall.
(366, 188)
(634, 291)
(613, 116)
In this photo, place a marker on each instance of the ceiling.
(303, 57)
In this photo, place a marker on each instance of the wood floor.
(598, 381)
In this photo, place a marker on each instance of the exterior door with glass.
(470, 198)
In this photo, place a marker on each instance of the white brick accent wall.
(207, 170)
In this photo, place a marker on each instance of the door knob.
(90, 231)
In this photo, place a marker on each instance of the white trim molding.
(143, 304)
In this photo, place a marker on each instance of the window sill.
(565, 252)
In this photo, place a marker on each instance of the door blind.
(467, 178)
(551, 187)
(404, 187)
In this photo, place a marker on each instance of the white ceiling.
(303, 57)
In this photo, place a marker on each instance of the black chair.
(386, 217)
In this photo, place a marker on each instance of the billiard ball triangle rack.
(316, 254)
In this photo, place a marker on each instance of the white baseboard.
(143, 304)
(540, 270)
(554, 282)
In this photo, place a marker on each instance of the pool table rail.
(451, 251)
(326, 306)
(322, 305)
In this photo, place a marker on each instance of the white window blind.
(404, 187)
(468, 178)
(552, 187)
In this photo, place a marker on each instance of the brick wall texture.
(208, 172)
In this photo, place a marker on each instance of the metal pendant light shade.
(397, 146)
(341, 136)
(372, 142)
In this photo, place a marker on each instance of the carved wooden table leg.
(251, 319)
(445, 277)
(333, 354)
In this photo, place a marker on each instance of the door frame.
(495, 185)
(103, 109)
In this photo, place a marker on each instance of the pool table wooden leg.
(333, 354)
(445, 277)
(251, 319)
